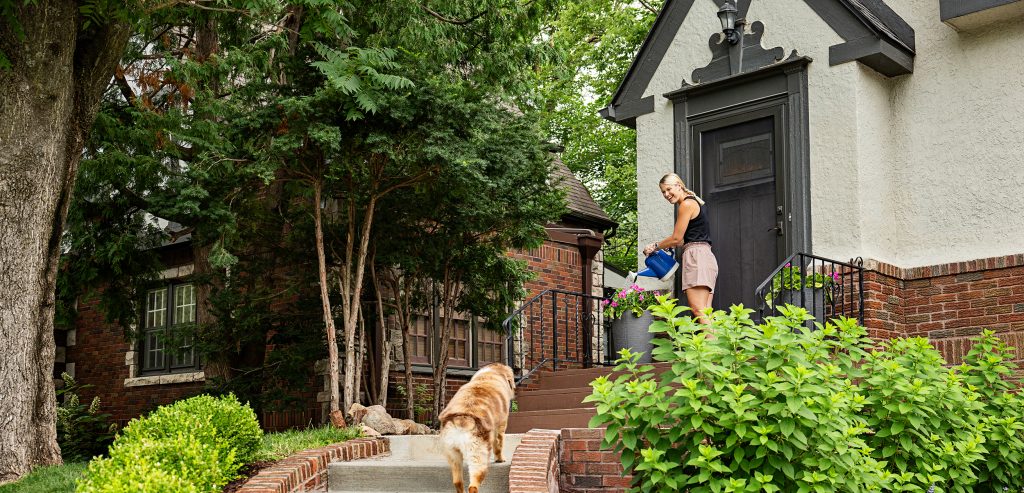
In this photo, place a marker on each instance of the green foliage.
(593, 44)
(48, 479)
(777, 407)
(177, 463)
(794, 278)
(277, 446)
(82, 430)
(223, 420)
(988, 369)
(631, 298)
(193, 445)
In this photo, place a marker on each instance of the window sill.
(171, 378)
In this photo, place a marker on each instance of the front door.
(735, 165)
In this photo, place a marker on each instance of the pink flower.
(835, 276)
(615, 304)
(605, 302)
(788, 264)
(622, 294)
(641, 297)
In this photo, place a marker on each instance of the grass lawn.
(276, 446)
(52, 479)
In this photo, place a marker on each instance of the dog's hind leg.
(498, 443)
(479, 459)
(454, 456)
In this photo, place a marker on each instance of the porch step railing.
(559, 328)
(826, 288)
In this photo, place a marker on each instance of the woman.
(699, 266)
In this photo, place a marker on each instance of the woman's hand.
(651, 248)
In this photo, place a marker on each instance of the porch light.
(727, 14)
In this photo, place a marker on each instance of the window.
(471, 345)
(166, 345)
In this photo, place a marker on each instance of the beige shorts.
(699, 266)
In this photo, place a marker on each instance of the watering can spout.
(660, 265)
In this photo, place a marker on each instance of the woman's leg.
(699, 298)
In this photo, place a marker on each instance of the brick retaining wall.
(535, 467)
(948, 303)
(585, 467)
(307, 470)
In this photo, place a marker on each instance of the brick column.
(535, 467)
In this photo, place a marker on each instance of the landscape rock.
(357, 411)
(369, 432)
(378, 418)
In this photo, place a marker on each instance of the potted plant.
(627, 310)
(809, 289)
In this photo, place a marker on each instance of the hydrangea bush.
(632, 298)
(776, 407)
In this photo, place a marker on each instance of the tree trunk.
(325, 299)
(385, 342)
(50, 97)
(354, 270)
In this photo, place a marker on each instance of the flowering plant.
(631, 298)
(793, 278)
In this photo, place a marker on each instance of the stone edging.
(952, 268)
(305, 470)
(535, 463)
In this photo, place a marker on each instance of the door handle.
(778, 229)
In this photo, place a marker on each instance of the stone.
(369, 432)
(402, 426)
(356, 412)
(338, 419)
(378, 418)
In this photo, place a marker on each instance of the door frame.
(776, 89)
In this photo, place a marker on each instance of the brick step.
(561, 379)
(550, 419)
(539, 400)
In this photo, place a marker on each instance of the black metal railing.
(826, 288)
(560, 328)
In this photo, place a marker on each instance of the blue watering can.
(660, 264)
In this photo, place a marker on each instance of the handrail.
(556, 327)
(841, 294)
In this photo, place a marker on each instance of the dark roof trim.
(627, 112)
(856, 21)
(879, 54)
(953, 12)
(791, 63)
(647, 59)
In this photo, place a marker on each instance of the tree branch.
(648, 7)
(449, 20)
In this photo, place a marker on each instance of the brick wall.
(948, 303)
(585, 468)
(98, 359)
(535, 467)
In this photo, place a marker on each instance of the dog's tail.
(462, 437)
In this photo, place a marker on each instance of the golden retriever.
(473, 423)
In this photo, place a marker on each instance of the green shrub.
(210, 419)
(776, 407)
(197, 444)
(170, 465)
(988, 368)
(926, 422)
(82, 430)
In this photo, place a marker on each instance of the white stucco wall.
(915, 170)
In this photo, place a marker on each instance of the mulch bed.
(247, 471)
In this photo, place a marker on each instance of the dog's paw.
(499, 460)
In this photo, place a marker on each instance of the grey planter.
(632, 332)
(811, 299)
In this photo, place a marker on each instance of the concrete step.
(538, 400)
(415, 465)
(550, 419)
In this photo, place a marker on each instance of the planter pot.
(631, 332)
(811, 299)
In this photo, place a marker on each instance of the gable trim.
(858, 22)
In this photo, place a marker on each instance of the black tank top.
(698, 228)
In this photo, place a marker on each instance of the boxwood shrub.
(776, 407)
(194, 445)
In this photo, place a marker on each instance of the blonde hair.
(674, 179)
